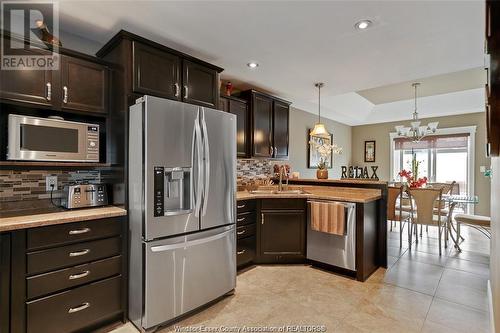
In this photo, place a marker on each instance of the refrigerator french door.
(182, 185)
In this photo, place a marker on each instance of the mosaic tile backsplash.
(251, 169)
(21, 185)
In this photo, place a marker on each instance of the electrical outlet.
(49, 181)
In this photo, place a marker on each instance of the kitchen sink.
(299, 191)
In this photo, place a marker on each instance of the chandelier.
(416, 132)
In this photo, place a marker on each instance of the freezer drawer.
(183, 273)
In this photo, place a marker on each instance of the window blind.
(434, 141)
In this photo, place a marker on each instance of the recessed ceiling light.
(253, 65)
(363, 24)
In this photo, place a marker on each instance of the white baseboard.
(490, 306)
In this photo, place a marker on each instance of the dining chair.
(424, 199)
(395, 212)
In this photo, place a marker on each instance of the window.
(445, 157)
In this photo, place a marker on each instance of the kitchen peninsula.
(266, 212)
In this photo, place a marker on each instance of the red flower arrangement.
(412, 183)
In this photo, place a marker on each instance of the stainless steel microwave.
(47, 139)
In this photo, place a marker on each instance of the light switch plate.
(50, 180)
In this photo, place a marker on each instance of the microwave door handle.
(206, 152)
(199, 164)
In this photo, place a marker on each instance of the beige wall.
(300, 122)
(380, 133)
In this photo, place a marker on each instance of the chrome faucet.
(282, 173)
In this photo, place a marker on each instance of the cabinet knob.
(262, 218)
(241, 252)
(186, 92)
(65, 95)
(48, 96)
(241, 232)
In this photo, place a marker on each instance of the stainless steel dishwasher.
(332, 249)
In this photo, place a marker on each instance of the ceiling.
(297, 43)
(434, 85)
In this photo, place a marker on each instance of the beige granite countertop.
(346, 180)
(347, 194)
(60, 217)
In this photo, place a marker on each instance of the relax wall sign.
(359, 172)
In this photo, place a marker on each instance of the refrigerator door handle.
(199, 165)
(206, 152)
(168, 247)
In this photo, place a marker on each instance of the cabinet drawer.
(245, 206)
(72, 232)
(272, 204)
(245, 218)
(44, 284)
(75, 309)
(245, 231)
(51, 259)
(245, 250)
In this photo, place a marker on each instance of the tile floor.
(419, 292)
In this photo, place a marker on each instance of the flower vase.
(322, 173)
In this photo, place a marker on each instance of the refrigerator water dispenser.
(172, 188)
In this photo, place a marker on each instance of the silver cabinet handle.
(79, 253)
(49, 91)
(65, 95)
(79, 275)
(262, 218)
(275, 151)
(79, 231)
(240, 206)
(79, 307)
(240, 219)
(271, 149)
(241, 232)
(186, 92)
(177, 90)
(241, 252)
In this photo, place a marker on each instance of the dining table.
(453, 200)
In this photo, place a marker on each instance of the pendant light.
(319, 128)
(416, 132)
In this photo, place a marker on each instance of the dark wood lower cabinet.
(61, 283)
(4, 283)
(282, 230)
(75, 309)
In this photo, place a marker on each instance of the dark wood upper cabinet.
(156, 72)
(262, 121)
(239, 108)
(269, 125)
(281, 115)
(492, 89)
(200, 84)
(84, 85)
(80, 84)
(29, 86)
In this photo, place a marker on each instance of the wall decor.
(369, 151)
(356, 172)
(316, 156)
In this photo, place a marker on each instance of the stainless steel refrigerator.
(182, 198)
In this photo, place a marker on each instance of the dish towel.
(328, 217)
